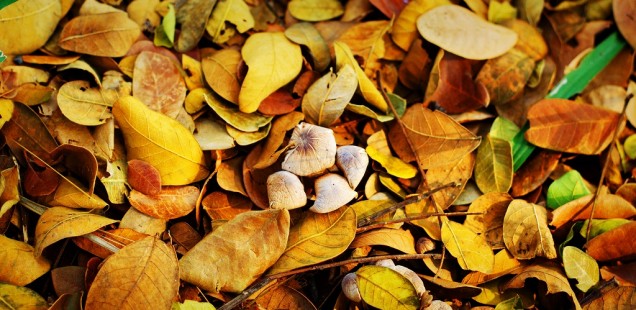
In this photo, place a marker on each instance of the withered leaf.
(143, 177)
(612, 245)
(158, 84)
(171, 202)
(18, 265)
(108, 34)
(548, 273)
(192, 15)
(525, 231)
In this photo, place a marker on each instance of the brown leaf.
(612, 245)
(568, 126)
(525, 231)
(456, 91)
(436, 137)
(108, 35)
(68, 279)
(620, 297)
(548, 273)
(221, 73)
(143, 177)
(40, 181)
(172, 202)
(534, 172)
(229, 175)
(58, 223)
(457, 172)
(238, 252)
(118, 237)
(185, 236)
(225, 206)
(192, 15)
(25, 130)
(413, 71)
(143, 274)
(490, 224)
(624, 274)
(607, 206)
(624, 11)
(505, 76)
(283, 297)
(158, 84)
(78, 160)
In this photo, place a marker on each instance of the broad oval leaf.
(581, 267)
(248, 122)
(548, 273)
(236, 12)
(315, 10)
(613, 244)
(607, 206)
(525, 231)
(143, 274)
(27, 25)
(18, 265)
(306, 34)
(108, 34)
(58, 223)
(143, 177)
(471, 250)
(211, 135)
(568, 187)
(85, 105)
(238, 252)
(404, 30)
(327, 98)
(225, 206)
(170, 203)
(317, 238)
(158, 84)
(384, 288)
(493, 206)
(506, 76)
(463, 33)
(72, 195)
(161, 141)
(437, 139)
(17, 297)
(273, 62)
(493, 166)
(621, 297)
(398, 239)
(569, 126)
(220, 70)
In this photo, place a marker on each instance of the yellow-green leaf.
(566, 188)
(17, 297)
(378, 150)
(236, 12)
(18, 265)
(273, 61)
(493, 166)
(525, 231)
(161, 141)
(499, 12)
(327, 98)
(471, 250)
(315, 10)
(384, 288)
(316, 238)
(306, 34)
(580, 266)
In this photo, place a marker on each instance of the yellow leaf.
(398, 239)
(306, 34)
(493, 206)
(471, 250)
(247, 138)
(74, 195)
(26, 25)
(499, 12)
(85, 105)
(161, 141)
(248, 122)
(580, 266)
(548, 273)
(463, 33)
(58, 223)
(316, 238)
(315, 10)
(493, 167)
(458, 172)
(404, 30)
(230, 177)
(273, 61)
(108, 35)
(366, 41)
(525, 231)
(16, 297)
(327, 98)
(384, 288)
(143, 274)
(378, 150)
(194, 73)
(6, 111)
(370, 93)
(220, 71)
(530, 42)
(18, 265)
(237, 253)
(236, 12)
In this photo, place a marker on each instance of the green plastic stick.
(4, 3)
(570, 85)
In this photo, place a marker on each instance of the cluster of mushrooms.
(312, 152)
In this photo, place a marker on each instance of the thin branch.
(414, 218)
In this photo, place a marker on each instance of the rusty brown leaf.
(607, 206)
(143, 177)
(612, 244)
(158, 84)
(171, 202)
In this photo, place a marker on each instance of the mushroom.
(312, 150)
(353, 161)
(285, 191)
(332, 192)
(417, 282)
(350, 287)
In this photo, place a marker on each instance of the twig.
(260, 284)
(414, 218)
(605, 167)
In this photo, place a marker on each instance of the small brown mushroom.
(285, 191)
(332, 192)
(312, 150)
(353, 161)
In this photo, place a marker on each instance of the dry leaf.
(525, 231)
(463, 33)
(316, 238)
(398, 239)
(158, 84)
(170, 203)
(142, 274)
(471, 250)
(230, 175)
(505, 76)
(612, 244)
(18, 265)
(378, 150)
(220, 70)
(273, 61)
(192, 15)
(143, 177)
(458, 173)
(623, 14)
(85, 105)
(620, 297)
(315, 10)
(236, 12)
(534, 172)
(549, 274)
(141, 223)
(624, 274)
(17, 297)
(108, 34)
(238, 252)
(404, 30)
(160, 141)
(436, 137)
(493, 165)
(71, 194)
(284, 297)
(247, 122)
(58, 223)
(490, 224)
(272, 150)
(568, 126)
(25, 130)
(384, 288)
(225, 206)
(306, 34)
(27, 25)
(607, 206)
(327, 98)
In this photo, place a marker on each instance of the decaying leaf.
(612, 245)
(158, 84)
(525, 231)
(169, 203)
(107, 34)
(549, 274)
(18, 297)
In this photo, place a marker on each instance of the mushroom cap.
(313, 149)
(353, 161)
(332, 192)
(350, 287)
(285, 191)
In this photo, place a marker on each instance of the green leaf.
(3, 4)
(499, 12)
(571, 234)
(568, 187)
(512, 303)
(630, 146)
(521, 148)
(384, 288)
(580, 266)
(164, 34)
(601, 226)
(192, 305)
(3, 57)
(493, 165)
(503, 129)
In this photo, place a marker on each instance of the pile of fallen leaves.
(312, 154)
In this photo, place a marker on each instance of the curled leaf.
(327, 98)
(169, 203)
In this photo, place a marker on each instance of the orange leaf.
(143, 177)
(158, 84)
(171, 202)
(613, 244)
(607, 206)
(108, 35)
(569, 126)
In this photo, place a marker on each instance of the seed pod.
(312, 150)
(353, 161)
(285, 191)
(332, 192)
